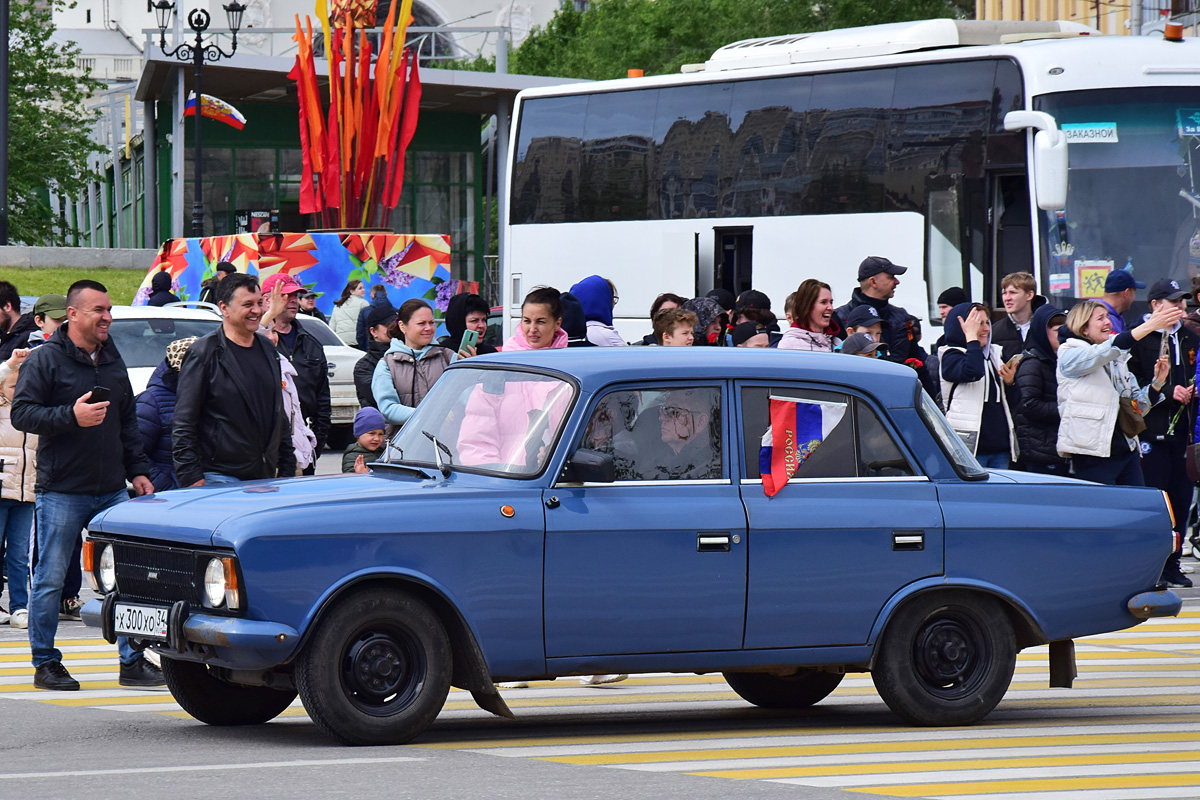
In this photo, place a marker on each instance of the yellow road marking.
(1190, 778)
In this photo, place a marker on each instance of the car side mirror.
(589, 466)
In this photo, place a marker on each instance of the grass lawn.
(122, 283)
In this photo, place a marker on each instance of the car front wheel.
(801, 690)
(377, 669)
(946, 659)
(218, 702)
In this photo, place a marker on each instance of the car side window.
(840, 436)
(659, 434)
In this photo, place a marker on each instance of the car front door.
(655, 561)
(853, 525)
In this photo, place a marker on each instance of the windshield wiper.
(438, 449)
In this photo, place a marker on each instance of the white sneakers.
(20, 619)
(597, 680)
(513, 685)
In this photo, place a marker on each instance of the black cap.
(859, 343)
(862, 315)
(953, 296)
(744, 331)
(226, 267)
(873, 265)
(724, 298)
(381, 315)
(1167, 289)
(752, 298)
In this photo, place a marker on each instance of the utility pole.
(1135, 18)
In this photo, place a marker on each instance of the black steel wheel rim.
(951, 655)
(383, 669)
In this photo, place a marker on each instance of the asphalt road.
(1127, 730)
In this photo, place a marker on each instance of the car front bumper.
(229, 641)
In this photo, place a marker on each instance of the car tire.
(807, 687)
(945, 659)
(218, 702)
(377, 669)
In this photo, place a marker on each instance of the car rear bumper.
(1158, 603)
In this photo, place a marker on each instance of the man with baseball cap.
(304, 352)
(1164, 447)
(901, 332)
(1119, 291)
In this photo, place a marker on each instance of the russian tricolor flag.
(214, 108)
(797, 429)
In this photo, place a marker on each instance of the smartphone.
(100, 394)
(470, 339)
(1016, 359)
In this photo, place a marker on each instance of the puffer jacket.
(1091, 380)
(968, 374)
(496, 427)
(901, 333)
(1035, 417)
(344, 319)
(404, 376)
(18, 451)
(795, 338)
(155, 414)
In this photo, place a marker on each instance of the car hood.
(224, 514)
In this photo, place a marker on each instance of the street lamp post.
(198, 53)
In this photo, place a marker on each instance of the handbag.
(1129, 418)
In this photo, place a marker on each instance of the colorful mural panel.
(408, 265)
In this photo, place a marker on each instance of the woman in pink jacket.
(813, 325)
(497, 427)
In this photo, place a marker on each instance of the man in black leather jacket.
(230, 423)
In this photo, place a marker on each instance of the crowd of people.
(1079, 392)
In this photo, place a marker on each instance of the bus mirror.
(1050, 169)
(1049, 156)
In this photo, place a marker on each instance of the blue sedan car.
(781, 518)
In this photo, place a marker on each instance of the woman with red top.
(813, 326)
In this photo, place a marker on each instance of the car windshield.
(495, 421)
(1141, 143)
(950, 441)
(143, 342)
(320, 331)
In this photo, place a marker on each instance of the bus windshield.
(1134, 196)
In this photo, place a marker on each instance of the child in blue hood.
(598, 296)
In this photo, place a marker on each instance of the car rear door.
(655, 561)
(854, 524)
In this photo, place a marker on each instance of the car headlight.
(220, 584)
(108, 569)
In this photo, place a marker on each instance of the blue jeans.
(992, 460)
(215, 478)
(16, 526)
(60, 518)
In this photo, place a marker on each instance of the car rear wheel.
(218, 702)
(805, 688)
(377, 669)
(946, 659)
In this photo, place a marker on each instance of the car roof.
(162, 312)
(594, 367)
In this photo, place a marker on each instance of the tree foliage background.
(659, 36)
(49, 124)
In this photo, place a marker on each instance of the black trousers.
(1164, 467)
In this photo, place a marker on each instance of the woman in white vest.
(975, 385)
(1092, 380)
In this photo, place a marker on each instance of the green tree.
(659, 36)
(49, 123)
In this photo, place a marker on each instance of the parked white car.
(142, 334)
(341, 360)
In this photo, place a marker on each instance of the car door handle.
(712, 543)
(908, 540)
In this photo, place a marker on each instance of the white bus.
(793, 157)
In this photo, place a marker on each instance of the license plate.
(140, 621)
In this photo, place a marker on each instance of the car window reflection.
(659, 434)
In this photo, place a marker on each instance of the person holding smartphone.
(88, 446)
(466, 323)
(975, 386)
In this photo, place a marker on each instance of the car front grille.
(156, 574)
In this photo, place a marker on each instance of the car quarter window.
(659, 433)
(840, 435)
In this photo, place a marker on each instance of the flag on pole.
(408, 127)
(798, 427)
(214, 108)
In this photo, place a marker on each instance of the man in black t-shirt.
(229, 421)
